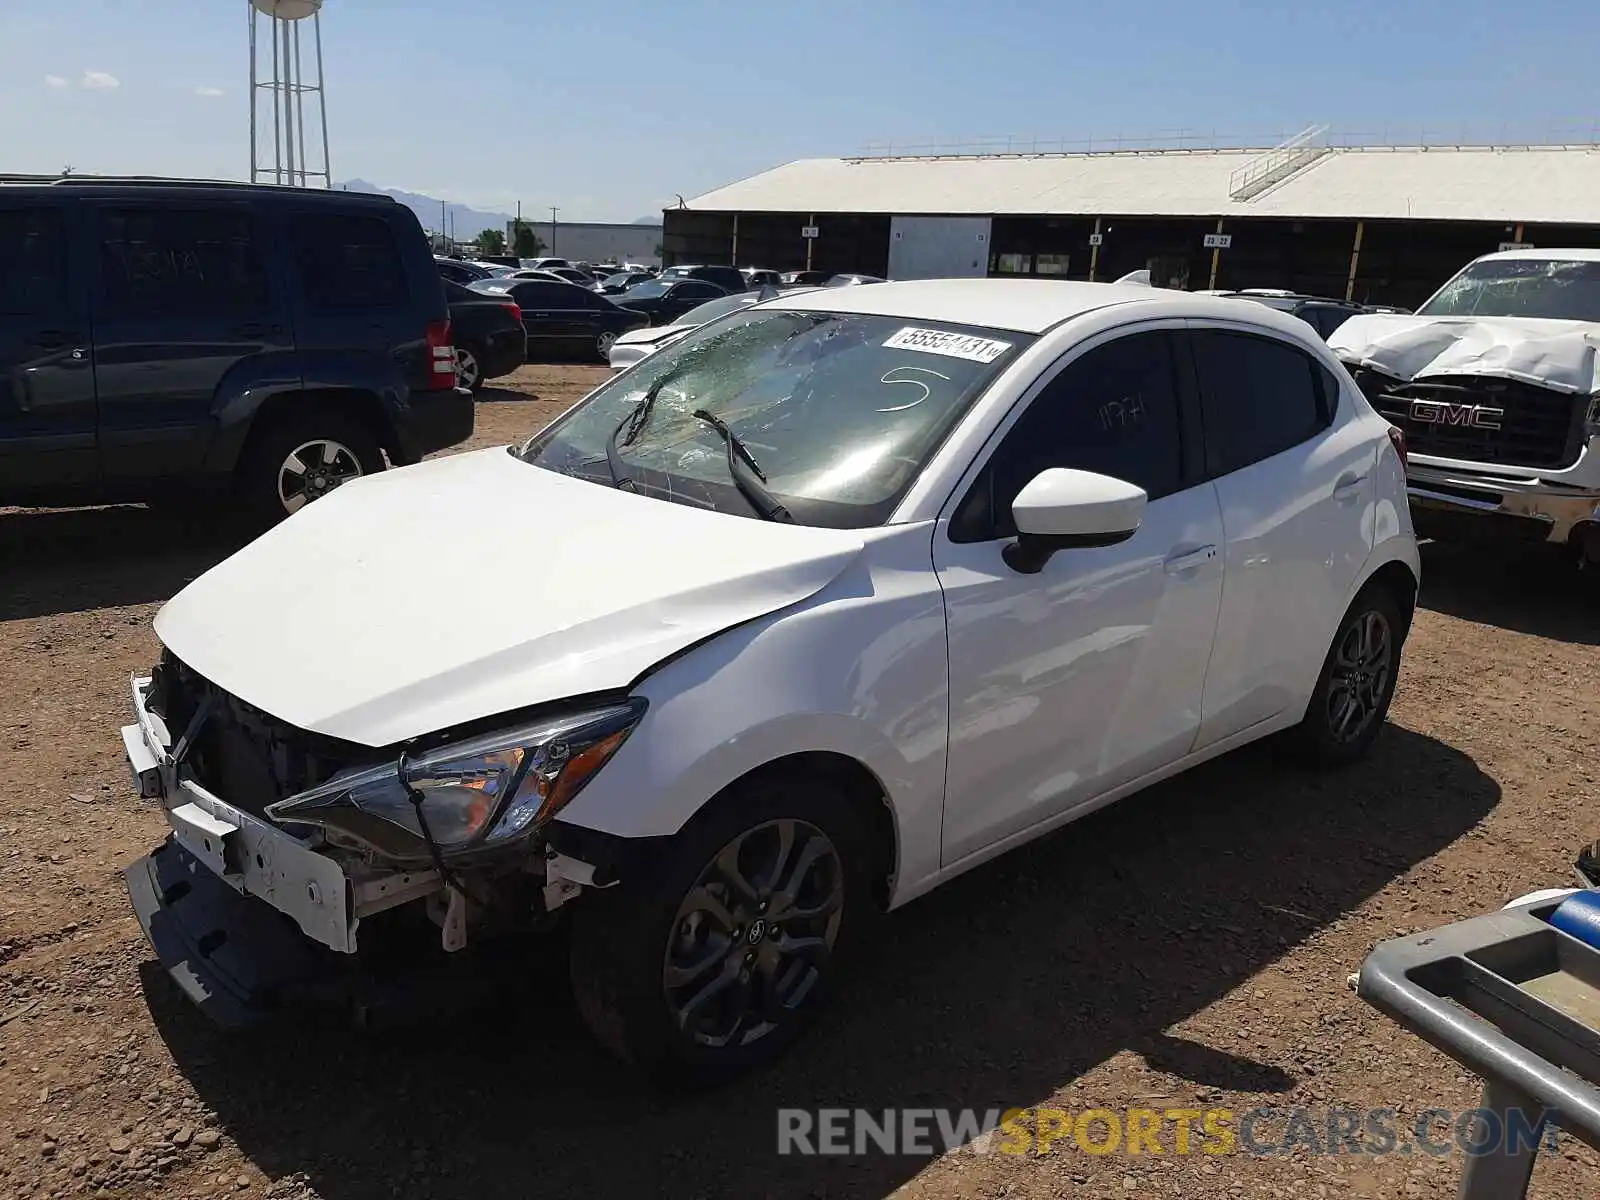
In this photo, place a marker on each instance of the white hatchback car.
(807, 613)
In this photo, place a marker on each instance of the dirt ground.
(1186, 948)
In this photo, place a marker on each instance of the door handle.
(1346, 486)
(56, 339)
(1187, 560)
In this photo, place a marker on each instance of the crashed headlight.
(479, 791)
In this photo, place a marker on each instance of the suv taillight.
(441, 356)
(1397, 438)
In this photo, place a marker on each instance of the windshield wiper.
(746, 472)
(632, 423)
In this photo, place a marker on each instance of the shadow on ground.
(1533, 589)
(997, 990)
(488, 392)
(77, 559)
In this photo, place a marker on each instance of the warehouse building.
(1381, 224)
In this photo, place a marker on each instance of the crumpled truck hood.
(1561, 355)
(415, 600)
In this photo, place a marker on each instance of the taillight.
(516, 311)
(1397, 439)
(441, 356)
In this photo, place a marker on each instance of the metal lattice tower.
(279, 84)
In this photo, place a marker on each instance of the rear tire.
(331, 448)
(646, 951)
(1351, 700)
(469, 366)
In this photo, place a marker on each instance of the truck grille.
(242, 755)
(1502, 421)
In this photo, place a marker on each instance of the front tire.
(602, 344)
(1352, 697)
(720, 959)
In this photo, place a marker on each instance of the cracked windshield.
(838, 411)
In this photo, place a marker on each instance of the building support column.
(811, 221)
(735, 261)
(1355, 260)
(1094, 249)
(1216, 258)
(1517, 237)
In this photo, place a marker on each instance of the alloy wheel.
(312, 470)
(467, 369)
(752, 937)
(603, 343)
(1362, 664)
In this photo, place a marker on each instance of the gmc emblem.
(1442, 412)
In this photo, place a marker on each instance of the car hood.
(416, 600)
(1556, 354)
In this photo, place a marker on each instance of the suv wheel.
(469, 367)
(302, 459)
(718, 961)
(1357, 682)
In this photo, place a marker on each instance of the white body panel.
(989, 705)
(474, 585)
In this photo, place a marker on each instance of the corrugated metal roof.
(1529, 184)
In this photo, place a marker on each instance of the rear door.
(47, 409)
(182, 297)
(553, 323)
(1293, 473)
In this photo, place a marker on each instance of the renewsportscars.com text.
(1266, 1130)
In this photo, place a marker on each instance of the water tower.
(278, 82)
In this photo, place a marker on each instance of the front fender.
(857, 670)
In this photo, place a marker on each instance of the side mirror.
(1062, 509)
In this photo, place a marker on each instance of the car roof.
(105, 185)
(1024, 305)
(1574, 254)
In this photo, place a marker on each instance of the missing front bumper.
(234, 956)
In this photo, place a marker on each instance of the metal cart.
(1516, 1001)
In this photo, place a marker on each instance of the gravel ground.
(1187, 948)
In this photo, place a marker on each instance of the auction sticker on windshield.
(951, 345)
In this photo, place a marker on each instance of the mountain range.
(464, 223)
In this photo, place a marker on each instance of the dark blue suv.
(267, 343)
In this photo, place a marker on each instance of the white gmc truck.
(1494, 383)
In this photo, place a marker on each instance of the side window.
(33, 262)
(701, 291)
(541, 295)
(1113, 411)
(348, 262)
(181, 260)
(1260, 397)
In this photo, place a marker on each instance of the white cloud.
(99, 79)
(207, 91)
(55, 81)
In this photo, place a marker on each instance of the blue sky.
(610, 110)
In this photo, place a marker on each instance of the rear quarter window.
(347, 261)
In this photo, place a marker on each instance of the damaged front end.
(1500, 416)
(284, 842)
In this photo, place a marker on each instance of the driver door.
(1089, 674)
